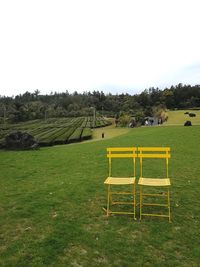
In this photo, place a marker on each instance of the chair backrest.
(156, 153)
(121, 152)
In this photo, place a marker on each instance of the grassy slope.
(177, 117)
(109, 132)
(51, 206)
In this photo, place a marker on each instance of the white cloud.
(86, 45)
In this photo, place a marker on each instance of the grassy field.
(109, 132)
(177, 117)
(52, 199)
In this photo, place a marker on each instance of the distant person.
(146, 123)
(151, 122)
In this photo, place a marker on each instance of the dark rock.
(192, 114)
(20, 141)
(188, 123)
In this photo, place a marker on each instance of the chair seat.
(154, 181)
(120, 180)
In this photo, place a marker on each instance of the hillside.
(178, 117)
(52, 203)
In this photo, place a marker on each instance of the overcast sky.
(109, 45)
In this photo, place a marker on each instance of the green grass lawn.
(52, 199)
(177, 117)
(109, 132)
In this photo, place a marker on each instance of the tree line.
(30, 106)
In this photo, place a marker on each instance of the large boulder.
(20, 141)
(192, 114)
(188, 123)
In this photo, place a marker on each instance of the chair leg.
(110, 194)
(108, 200)
(140, 202)
(168, 197)
(134, 199)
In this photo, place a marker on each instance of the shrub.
(86, 134)
(76, 135)
(20, 141)
(124, 120)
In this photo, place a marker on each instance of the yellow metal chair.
(154, 153)
(122, 152)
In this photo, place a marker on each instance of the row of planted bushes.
(65, 136)
(56, 131)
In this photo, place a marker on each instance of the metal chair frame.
(159, 153)
(121, 152)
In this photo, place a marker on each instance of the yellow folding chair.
(154, 153)
(123, 153)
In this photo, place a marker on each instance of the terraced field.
(56, 130)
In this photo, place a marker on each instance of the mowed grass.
(177, 117)
(52, 199)
(109, 132)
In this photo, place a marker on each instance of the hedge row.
(56, 131)
(60, 135)
(86, 134)
(63, 138)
